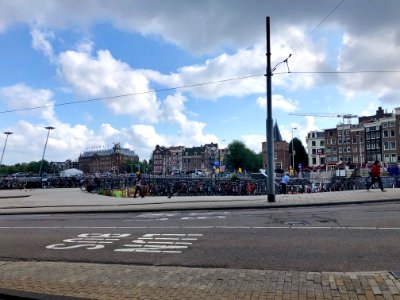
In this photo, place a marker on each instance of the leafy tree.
(300, 154)
(239, 156)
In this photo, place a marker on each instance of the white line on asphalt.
(205, 227)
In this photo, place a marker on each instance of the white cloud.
(279, 103)
(253, 141)
(40, 42)
(20, 96)
(104, 76)
(375, 52)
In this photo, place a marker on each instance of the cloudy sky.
(182, 72)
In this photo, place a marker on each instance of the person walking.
(284, 181)
(138, 185)
(375, 176)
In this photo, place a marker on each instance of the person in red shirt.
(375, 176)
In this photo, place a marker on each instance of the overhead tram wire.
(132, 94)
(195, 85)
(307, 37)
(338, 72)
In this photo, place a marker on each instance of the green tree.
(300, 154)
(239, 156)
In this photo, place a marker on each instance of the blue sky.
(98, 49)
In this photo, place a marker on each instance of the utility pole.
(269, 125)
(7, 133)
(293, 152)
(44, 150)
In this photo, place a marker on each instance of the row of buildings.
(375, 137)
(180, 159)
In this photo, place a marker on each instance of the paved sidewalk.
(50, 280)
(66, 280)
(75, 200)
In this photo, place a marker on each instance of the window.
(321, 143)
(386, 146)
(354, 148)
(339, 133)
(313, 143)
(386, 158)
(384, 124)
(355, 158)
(339, 141)
(393, 157)
(367, 129)
(354, 140)
(314, 151)
(334, 149)
(392, 134)
(340, 149)
(385, 133)
(392, 145)
(392, 124)
(368, 136)
(314, 161)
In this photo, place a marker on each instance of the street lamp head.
(7, 132)
(49, 128)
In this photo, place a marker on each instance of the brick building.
(115, 160)
(375, 137)
(281, 151)
(182, 159)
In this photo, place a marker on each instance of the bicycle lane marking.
(147, 243)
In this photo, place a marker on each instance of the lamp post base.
(271, 198)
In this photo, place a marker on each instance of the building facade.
(281, 151)
(316, 149)
(375, 137)
(180, 159)
(115, 160)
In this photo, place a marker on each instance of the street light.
(44, 150)
(293, 152)
(7, 133)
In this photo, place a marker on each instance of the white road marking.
(204, 227)
(160, 243)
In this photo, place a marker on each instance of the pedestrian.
(284, 182)
(138, 186)
(375, 176)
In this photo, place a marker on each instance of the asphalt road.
(338, 238)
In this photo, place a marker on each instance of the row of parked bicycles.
(181, 186)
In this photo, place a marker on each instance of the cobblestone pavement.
(104, 281)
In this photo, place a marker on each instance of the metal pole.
(44, 150)
(293, 148)
(269, 125)
(7, 133)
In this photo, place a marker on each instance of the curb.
(147, 207)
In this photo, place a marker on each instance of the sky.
(185, 72)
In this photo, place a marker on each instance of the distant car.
(19, 174)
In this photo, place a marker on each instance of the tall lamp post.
(7, 133)
(49, 128)
(293, 152)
